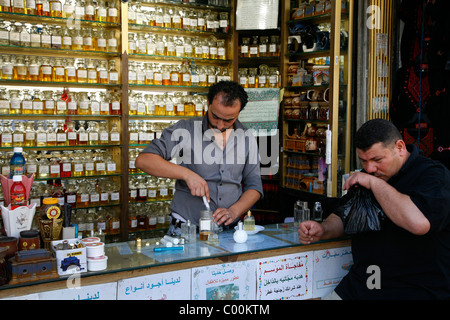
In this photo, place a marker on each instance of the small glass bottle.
(58, 71)
(89, 10)
(38, 104)
(61, 135)
(49, 103)
(71, 134)
(113, 73)
(55, 8)
(81, 71)
(113, 12)
(249, 222)
(25, 37)
(20, 70)
(30, 135)
(41, 135)
(205, 225)
(70, 70)
(101, 11)
(45, 70)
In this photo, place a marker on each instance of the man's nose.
(371, 167)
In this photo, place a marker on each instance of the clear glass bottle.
(45, 70)
(79, 10)
(113, 72)
(55, 8)
(35, 36)
(49, 102)
(101, 11)
(70, 70)
(205, 225)
(61, 104)
(131, 43)
(30, 7)
(7, 67)
(27, 102)
(61, 135)
(30, 135)
(92, 131)
(78, 166)
(113, 12)
(46, 36)
(249, 222)
(68, 9)
(254, 48)
(88, 39)
(25, 37)
(51, 134)
(58, 71)
(38, 104)
(91, 71)
(18, 135)
(81, 71)
(112, 41)
(82, 135)
(77, 39)
(66, 38)
(20, 70)
(43, 170)
(89, 10)
(71, 134)
(14, 33)
(114, 134)
(101, 40)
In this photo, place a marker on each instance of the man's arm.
(397, 206)
(311, 231)
(155, 165)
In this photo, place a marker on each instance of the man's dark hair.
(231, 90)
(374, 131)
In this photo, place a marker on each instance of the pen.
(159, 249)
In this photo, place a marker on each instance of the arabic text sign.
(162, 286)
(230, 281)
(330, 266)
(285, 277)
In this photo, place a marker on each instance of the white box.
(70, 261)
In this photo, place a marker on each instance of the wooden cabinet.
(317, 97)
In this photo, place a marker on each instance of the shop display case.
(85, 86)
(317, 96)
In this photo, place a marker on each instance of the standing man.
(410, 257)
(217, 157)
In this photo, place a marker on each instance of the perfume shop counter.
(127, 260)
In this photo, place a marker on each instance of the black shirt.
(411, 266)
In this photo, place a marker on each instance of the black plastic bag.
(362, 212)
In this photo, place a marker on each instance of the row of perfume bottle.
(192, 19)
(99, 10)
(217, 3)
(59, 102)
(143, 132)
(79, 193)
(68, 164)
(165, 104)
(177, 46)
(149, 188)
(44, 133)
(148, 216)
(265, 77)
(57, 37)
(47, 69)
(260, 46)
(176, 74)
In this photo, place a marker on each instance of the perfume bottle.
(249, 222)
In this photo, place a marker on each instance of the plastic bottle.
(17, 162)
(18, 193)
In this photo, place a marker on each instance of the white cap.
(17, 178)
(18, 149)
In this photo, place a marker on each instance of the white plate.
(257, 229)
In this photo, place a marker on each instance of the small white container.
(97, 263)
(95, 249)
(91, 240)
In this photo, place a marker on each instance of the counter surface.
(126, 260)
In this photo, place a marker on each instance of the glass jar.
(15, 102)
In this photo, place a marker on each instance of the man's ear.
(400, 145)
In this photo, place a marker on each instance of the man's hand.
(197, 185)
(309, 231)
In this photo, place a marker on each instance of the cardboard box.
(70, 261)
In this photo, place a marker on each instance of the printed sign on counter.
(161, 286)
(230, 281)
(285, 277)
(330, 266)
(105, 291)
